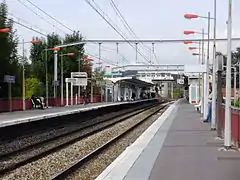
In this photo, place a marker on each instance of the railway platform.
(178, 146)
(19, 117)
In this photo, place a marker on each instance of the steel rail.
(66, 172)
(60, 146)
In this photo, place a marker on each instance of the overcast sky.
(150, 19)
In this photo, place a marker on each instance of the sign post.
(10, 80)
(66, 94)
(72, 81)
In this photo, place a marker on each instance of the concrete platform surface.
(17, 117)
(182, 148)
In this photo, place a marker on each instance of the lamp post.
(227, 129)
(5, 30)
(101, 85)
(62, 82)
(206, 75)
(204, 87)
(46, 70)
(214, 85)
(23, 71)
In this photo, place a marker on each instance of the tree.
(39, 60)
(98, 75)
(34, 86)
(70, 63)
(9, 64)
(235, 60)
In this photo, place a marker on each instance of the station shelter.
(196, 87)
(127, 88)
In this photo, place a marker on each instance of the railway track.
(15, 159)
(80, 162)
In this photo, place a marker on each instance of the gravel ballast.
(92, 169)
(21, 142)
(50, 145)
(48, 166)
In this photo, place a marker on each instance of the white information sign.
(81, 78)
(81, 82)
(71, 80)
(9, 79)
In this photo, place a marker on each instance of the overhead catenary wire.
(125, 23)
(25, 26)
(127, 26)
(96, 10)
(45, 35)
(30, 25)
(34, 12)
(53, 18)
(50, 16)
(108, 18)
(105, 48)
(40, 9)
(101, 58)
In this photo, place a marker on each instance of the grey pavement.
(184, 148)
(38, 112)
(190, 152)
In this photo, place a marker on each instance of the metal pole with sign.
(66, 93)
(23, 77)
(62, 79)
(71, 81)
(91, 91)
(79, 87)
(55, 75)
(71, 89)
(46, 74)
(10, 80)
(10, 96)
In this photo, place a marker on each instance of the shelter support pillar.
(138, 92)
(106, 94)
(125, 93)
(116, 92)
(130, 93)
(119, 93)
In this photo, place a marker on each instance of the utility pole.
(235, 85)
(219, 62)
(203, 75)
(79, 87)
(55, 75)
(214, 86)
(23, 77)
(227, 129)
(62, 79)
(46, 74)
(207, 72)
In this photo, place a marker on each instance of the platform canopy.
(195, 68)
(156, 67)
(131, 80)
